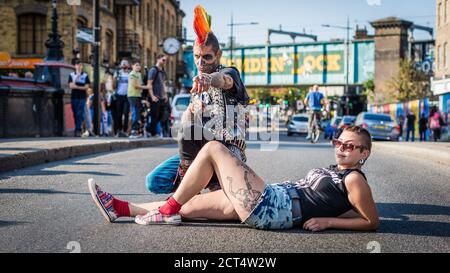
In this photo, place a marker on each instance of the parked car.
(331, 128)
(180, 104)
(298, 124)
(346, 122)
(380, 126)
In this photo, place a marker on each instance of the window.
(149, 59)
(445, 53)
(445, 11)
(83, 47)
(142, 14)
(32, 33)
(439, 14)
(107, 4)
(149, 17)
(161, 24)
(155, 22)
(109, 41)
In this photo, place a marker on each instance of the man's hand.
(202, 83)
(147, 104)
(154, 98)
(317, 224)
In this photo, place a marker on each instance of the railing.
(128, 43)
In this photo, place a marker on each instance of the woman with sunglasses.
(337, 197)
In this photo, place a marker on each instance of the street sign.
(84, 35)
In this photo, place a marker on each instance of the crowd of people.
(134, 103)
(430, 127)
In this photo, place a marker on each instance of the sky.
(304, 15)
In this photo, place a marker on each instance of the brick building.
(441, 81)
(132, 29)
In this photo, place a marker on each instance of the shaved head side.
(211, 40)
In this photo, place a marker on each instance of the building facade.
(130, 29)
(441, 81)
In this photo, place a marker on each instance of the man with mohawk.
(216, 112)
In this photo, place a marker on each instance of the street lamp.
(347, 47)
(54, 44)
(232, 25)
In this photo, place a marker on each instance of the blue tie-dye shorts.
(274, 210)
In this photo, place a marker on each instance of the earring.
(362, 161)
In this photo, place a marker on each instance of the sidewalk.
(435, 151)
(21, 153)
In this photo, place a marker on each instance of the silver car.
(298, 124)
(380, 126)
(180, 104)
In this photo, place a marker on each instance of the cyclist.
(315, 101)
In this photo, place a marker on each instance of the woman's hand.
(317, 224)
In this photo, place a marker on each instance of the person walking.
(122, 106)
(401, 123)
(79, 84)
(135, 88)
(410, 126)
(423, 127)
(156, 85)
(436, 125)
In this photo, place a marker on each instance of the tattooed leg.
(241, 185)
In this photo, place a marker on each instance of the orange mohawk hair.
(202, 24)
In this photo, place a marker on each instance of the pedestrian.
(120, 104)
(135, 88)
(109, 102)
(423, 127)
(401, 124)
(89, 114)
(165, 119)
(436, 125)
(410, 126)
(158, 96)
(79, 84)
(336, 197)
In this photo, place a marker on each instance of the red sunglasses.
(348, 147)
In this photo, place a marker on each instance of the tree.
(409, 83)
(369, 90)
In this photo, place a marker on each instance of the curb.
(439, 156)
(32, 158)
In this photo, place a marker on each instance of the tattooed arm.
(222, 81)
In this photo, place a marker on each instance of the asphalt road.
(47, 208)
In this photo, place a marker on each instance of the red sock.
(121, 207)
(171, 207)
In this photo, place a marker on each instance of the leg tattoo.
(248, 197)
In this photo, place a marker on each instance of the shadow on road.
(398, 222)
(56, 172)
(11, 223)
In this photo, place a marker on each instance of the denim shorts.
(274, 210)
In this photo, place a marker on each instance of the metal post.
(347, 57)
(231, 40)
(96, 63)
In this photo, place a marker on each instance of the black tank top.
(323, 193)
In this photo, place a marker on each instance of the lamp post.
(96, 64)
(347, 49)
(232, 25)
(54, 43)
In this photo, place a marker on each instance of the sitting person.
(337, 197)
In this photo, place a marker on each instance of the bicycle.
(315, 128)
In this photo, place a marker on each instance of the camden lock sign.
(314, 63)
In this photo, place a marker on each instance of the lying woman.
(337, 197)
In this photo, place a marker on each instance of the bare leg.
(211, 206)
(240, 183)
